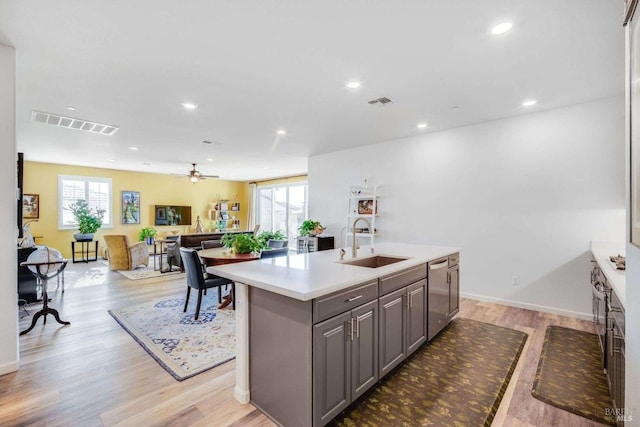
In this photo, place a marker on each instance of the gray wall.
(523, 196)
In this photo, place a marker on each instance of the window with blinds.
(96, 192)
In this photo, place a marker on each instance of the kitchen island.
(295, 314)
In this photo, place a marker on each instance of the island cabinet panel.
(345, 361)
(393, 330)
(364, 349)
(331, 367)
(280, 357)
(416, 315)
(454, 291)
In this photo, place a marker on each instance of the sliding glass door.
(282, 208)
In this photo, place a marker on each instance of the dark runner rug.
(570, 375)
(458, 379)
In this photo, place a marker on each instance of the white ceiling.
(255, 66)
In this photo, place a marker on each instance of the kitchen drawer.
(406, 277)
(339, 302)
(454, 259)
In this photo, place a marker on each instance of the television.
(172, 215)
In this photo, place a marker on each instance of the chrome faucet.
(354, 248)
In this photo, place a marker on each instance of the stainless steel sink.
(374, 261)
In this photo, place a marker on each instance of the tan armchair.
(123, 256)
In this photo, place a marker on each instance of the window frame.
(273, 187)
(107, 221)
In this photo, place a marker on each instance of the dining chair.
(274, 252)
(198, 279)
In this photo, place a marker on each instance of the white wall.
(523, 196)
(8, 253)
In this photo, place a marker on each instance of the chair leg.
(186, 301)
(233, 295)
(199, 302)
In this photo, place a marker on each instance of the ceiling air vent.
(72, 123)
(383, 100)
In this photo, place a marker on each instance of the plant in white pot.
(88, 220)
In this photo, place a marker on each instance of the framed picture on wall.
(30, 206)
(131, 207)
(365, 207)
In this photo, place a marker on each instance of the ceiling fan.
(195, 176)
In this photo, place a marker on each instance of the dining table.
(221, 256)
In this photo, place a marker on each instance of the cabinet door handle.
(439, 265)
(351, 326)
(354, 298)
(357, 327)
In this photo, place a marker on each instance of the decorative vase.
(83, 237)
(150, 240)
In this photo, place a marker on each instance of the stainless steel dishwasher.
(438, 296)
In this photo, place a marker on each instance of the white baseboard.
(9, 367)
(535, 307)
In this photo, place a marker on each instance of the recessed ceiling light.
(133, 148)
(353, 85)
(111, 160)
(281, 132)
(209, 159)
(501, 28)
(71, 108)
(529, 103)
(190, 106)
(147, 164)
(422, 125)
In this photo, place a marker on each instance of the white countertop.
(312, 275)
(616, 278)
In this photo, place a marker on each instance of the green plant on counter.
(88, 220)
(147, 232)
(241, 243)
(265, 236)
(309, 227)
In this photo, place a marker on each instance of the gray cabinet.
(615, 349)
(345, 360)
(403, 321)
(453, 278)
(393, 331)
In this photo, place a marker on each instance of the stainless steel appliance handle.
(439, 265)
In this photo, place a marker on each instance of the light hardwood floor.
(93, 373)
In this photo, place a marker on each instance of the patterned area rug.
(145, 272)
(458, 379)
(570, 375)
(183, 346)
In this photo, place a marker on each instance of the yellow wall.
(42, 179)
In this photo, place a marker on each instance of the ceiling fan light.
(193, 179)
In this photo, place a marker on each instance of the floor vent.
(383, 100)
(73, 123)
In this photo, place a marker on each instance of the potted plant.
(241, 243)
(272, 239)
(88, 220)
(148, 234)
(310, 227)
